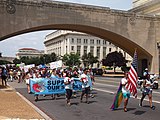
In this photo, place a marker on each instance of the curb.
(46, 117)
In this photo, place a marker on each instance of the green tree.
(89, 59)
(16, 61)
(71, 59)
(53, 57)
(114, 59)
(44, 59)
(3, 62)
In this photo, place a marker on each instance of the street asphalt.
(97, 109)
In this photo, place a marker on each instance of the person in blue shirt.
(4, 76)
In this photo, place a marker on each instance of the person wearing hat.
(147, 89)
(145, 73)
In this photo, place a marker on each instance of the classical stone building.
(62, 42)
(150, 7)
(29, 52)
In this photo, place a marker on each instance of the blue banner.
(52, 85)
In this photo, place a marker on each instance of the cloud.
(10, 46)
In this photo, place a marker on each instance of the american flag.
(133, 76)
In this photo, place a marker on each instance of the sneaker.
(53, 97)
(140, 104)
(87, 102)
(69, 104)
(125, 109)
(36, 99)
(153, 107)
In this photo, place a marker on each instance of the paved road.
(99, 107)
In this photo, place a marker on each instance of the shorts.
(126, 95)
(68, 93)
(86, 90)
(147, 91)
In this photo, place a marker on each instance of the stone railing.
(73, 6)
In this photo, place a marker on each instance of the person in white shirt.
(147, 90)
(126, 93)
(28, 76)
(68, 81)
(85, 85)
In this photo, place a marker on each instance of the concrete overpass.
(126, 30)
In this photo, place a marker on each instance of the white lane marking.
(46, 117)
(109, 81)
(117, 87)
(111, 92)
(105, 85)
(104, 90)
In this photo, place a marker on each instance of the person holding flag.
(125, 91)
(133, 76)
(128, 85)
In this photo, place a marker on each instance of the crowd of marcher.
(20, 75)
(13, 73)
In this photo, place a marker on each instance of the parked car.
(94, 70)
(99, 72)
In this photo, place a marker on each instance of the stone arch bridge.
(126, 30)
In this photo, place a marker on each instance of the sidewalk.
(13, 107)
(113, 75)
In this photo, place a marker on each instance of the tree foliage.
(3, 62)
(114, 59)
(71, 59)
(44, 59)
(89, 59)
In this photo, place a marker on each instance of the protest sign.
(56, 64)
(52, 85)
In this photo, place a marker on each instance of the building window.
(79, 40)
(98, 42)
(92, 50)
(104, 42)
(66, 49)
(98, 52)
(110, 49)
(104, 52)
(72, 41)
(85, 41)
(85, 49)
(92, 41)
(72, 48)
(79, 49)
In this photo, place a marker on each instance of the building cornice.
(75, 6)
(145, 6)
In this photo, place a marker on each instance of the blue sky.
(35, 40)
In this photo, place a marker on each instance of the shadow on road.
(139, 112)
